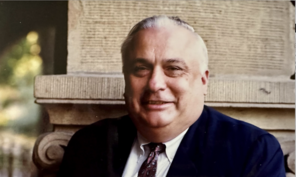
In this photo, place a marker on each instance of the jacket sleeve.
(81, 155)
(265, 158)
(71, 157)
(90, 151)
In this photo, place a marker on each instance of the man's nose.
(157, 80)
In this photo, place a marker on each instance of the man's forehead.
(166, 32)
(174, 37)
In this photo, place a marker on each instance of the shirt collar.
(141, 143)
(171, 146)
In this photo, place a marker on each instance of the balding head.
(158, 22)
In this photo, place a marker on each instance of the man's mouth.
(156, 105)
(156, 102)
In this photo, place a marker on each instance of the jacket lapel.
(126, 133)
(186, 161)
(182, 165)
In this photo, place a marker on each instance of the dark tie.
(148, 167)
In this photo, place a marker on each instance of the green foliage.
(20, 64)
(18, 67)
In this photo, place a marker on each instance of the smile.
(156, 102)
(157, 105)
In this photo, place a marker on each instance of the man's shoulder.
(101, 130)
(90, 148)
(222, 131)
(227, 125)
(231, 147)
(104, 125)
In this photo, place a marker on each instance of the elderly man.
(168, 131)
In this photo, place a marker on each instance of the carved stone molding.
(291, 161)
(288, 147)
(90, 89)
(49, 150)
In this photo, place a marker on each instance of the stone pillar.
(251, 59)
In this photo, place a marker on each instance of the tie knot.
(156, 147)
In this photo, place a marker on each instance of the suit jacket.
(214, 146)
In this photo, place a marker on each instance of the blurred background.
(33, 41)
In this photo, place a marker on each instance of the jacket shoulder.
(234, 144)
(230, 127)
(90, 148)
(99, 129)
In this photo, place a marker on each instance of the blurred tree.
(18, 67)
(17, 19)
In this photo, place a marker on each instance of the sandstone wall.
(244, 38)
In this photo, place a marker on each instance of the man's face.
(164, 84)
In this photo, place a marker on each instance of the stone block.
(109, 89)
(244, 38)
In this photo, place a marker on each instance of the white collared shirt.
(139, 154)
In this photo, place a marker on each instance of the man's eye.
(140, 70)
(174, 71)
(173, 68)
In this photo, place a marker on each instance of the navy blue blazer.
(214, 146)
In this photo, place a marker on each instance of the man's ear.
(205, 80)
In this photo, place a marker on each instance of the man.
(168, 131)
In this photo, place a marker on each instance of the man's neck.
(159, 135)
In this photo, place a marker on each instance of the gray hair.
(161, 21)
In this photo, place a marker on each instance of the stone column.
(251, 59)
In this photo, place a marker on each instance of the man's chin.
(156, 120)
